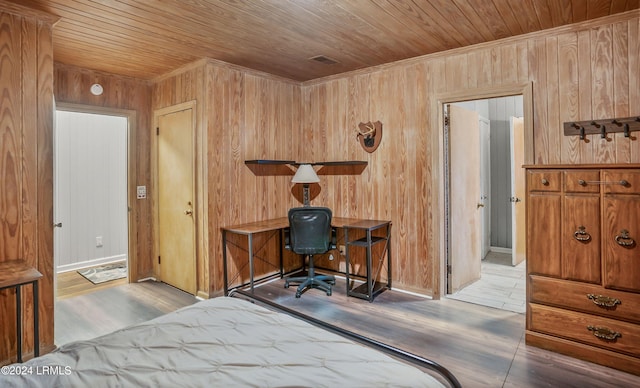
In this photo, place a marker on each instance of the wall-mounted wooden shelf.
(263, 167)
(268, 161)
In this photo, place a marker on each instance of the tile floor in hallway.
(501, 285)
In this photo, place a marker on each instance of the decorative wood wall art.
(625, 125)
(370, 135)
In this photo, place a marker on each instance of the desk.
(15, 274)
(274, 225)
(371, 287)
(367, 291)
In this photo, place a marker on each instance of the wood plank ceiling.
(145, 39)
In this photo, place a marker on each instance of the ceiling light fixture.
(96, 89)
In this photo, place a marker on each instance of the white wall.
(90, 172)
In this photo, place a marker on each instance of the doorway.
(92, 180)
(175, 164)
(483, 262)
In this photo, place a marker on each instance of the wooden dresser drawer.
(614, 181)
(618, 336)
(589, 298)
(544, 180)
(582, 181)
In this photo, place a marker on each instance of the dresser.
(583, 262)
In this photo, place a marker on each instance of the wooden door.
(465, 223)
(581, 237)
(621, 240)
(176, 220)
(544, 207)
(518, 195)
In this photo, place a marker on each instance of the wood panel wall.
(580, 72)
(120, 93)
(26, 160)
(241, 115)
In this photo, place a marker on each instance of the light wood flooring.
(110, 306)
(71, 283)
(482, 346)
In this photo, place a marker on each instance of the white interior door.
(485, 184)
(518, 241)
(465, 199)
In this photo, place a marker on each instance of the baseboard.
(90, 263)
(500, 250)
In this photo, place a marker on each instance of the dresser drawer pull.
(623, 239)
(604, 333)
(581, 234)
(603, 301)
(622, 182)
(544, 181)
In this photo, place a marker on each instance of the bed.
(225, 341)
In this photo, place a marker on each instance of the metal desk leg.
(19, 321)
(250, 251)
(370, 284)
(224, 262)
(389, 255)
(36, 326)
(281, 248)
(346, 257)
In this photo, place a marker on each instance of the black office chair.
(310, 233)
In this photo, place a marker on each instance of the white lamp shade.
(305, 174)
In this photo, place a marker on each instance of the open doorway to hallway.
(492, 271)
(90, 201)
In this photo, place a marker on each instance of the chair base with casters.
(310, 233)
(322, 282)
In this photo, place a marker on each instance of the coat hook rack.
(624, 125)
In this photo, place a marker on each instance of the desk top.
(258, 226)
(15, 272)
(283, 222)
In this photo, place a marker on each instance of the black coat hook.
(603, 132)
(581, 133)
(626, 130)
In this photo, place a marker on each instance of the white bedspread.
(220, 342)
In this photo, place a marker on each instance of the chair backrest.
(310, 230)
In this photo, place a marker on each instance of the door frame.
(132, 258)
(438, 179)
(200, 195)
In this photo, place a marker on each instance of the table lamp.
(305, 175)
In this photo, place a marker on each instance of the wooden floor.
(482, 346)
(112, 306)
(71, 283)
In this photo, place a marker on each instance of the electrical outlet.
(99, 241)
(342, 249)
